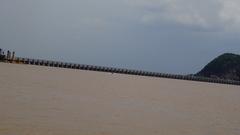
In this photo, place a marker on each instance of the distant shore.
(49, 63)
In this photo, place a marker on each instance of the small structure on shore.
(13, 55)
(2, 56)
(9, 57)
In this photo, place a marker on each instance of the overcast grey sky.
(173, 36)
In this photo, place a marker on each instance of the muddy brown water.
(37, 100)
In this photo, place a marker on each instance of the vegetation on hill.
(226, 66)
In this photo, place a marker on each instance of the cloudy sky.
(173, 36)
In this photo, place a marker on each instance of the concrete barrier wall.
(121, 71)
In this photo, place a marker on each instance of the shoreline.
(19, 60)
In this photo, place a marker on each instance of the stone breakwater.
(117, 70)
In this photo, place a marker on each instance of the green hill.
(226, 66)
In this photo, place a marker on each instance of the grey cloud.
(205, 14)
(176, 36)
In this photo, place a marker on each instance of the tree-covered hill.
(226, 66)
